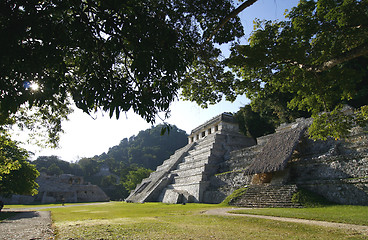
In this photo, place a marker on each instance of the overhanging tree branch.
(230, 16)
(344, 57)
(359, 51)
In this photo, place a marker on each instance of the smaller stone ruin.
(59, 189)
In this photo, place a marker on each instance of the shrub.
(309, 199)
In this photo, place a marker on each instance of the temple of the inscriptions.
(218, 160)
(185, 176)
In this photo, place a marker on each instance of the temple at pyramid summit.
(218, 159)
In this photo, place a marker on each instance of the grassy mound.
(229, 200)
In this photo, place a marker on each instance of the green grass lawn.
(118, 220)
(336, 213)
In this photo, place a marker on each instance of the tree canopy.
(109, 55)
(316, 61)
(120, 55)
(17, 175)
(135, 177)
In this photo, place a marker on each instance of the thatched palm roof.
(276, 152)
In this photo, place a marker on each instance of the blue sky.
(86, 137)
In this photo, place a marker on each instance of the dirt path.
(27, 225)
(225, 211)
(30, 224)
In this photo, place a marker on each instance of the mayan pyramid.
(185, 176)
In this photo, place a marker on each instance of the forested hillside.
(118, 170)
(148, 149)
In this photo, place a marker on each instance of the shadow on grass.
(6, 215)
(16, 215)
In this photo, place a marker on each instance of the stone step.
(207, 140)
(276, 205)
(196, 178)
(205, 168)
(185, 186)
(197, 160)
(268, 196)
(197, 155)
(190, 159)
(268, 200)
(267, 191)
(273, 190)
(189, 171)
(200, 149)
(270, 188)
(194, 164)
(214, 152)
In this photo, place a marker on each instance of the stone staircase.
(267, 196)
(191, 175)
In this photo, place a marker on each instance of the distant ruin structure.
(219, 160)
(63, 188)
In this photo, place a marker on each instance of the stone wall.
(335, 169)
(223, 184)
